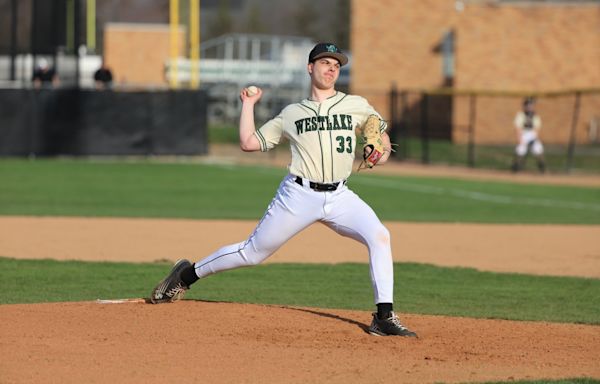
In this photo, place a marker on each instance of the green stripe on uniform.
(262, 141)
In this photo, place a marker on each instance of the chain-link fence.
(477, 128)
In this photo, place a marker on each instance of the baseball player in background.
(322, 134)
(528, 124)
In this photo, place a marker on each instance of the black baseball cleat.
(171, 288)
(389, 327)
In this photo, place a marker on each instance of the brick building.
(137, 53)
(517, 47)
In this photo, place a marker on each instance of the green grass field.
(423, 289)
(188, 190)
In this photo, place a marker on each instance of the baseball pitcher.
(322, 131)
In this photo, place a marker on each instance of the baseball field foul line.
(479, 195)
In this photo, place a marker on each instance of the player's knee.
(253, 257)
(253, 261)
(380, 237)
(383, 235)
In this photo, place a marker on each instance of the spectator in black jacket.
(103, 77)
(44, 76)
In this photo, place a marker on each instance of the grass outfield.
(419, 288)
(186, 190)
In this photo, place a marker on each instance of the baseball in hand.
(252, 90)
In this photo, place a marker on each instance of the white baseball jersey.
(529, 125)
(528, 122)
(322, 138)
(322, 135)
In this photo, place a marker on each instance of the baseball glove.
(373, 147)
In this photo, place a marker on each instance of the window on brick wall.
(447, 50)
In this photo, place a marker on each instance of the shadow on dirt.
(362, 326)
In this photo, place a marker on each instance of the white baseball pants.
(294, 208)
(529, 138)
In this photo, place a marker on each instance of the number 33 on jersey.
(322, 135)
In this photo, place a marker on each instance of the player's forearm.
(248, 140)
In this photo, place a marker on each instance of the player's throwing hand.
(251, 93)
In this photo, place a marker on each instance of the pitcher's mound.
(194, 341)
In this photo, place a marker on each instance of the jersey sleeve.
(270, 133)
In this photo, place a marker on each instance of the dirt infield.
(571, 250)
(204, 342)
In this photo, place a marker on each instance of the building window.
(448, 57)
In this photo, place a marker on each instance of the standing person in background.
(44, 76)
(103, 77)
(321, 130)
(528, 124)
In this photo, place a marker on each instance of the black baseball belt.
(320, 187)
